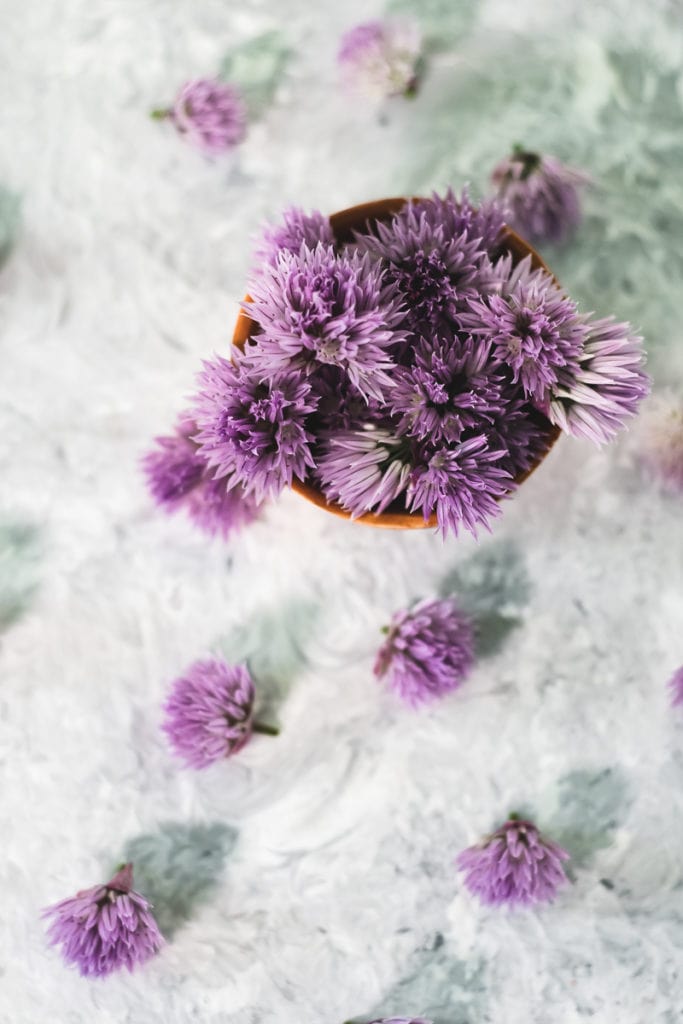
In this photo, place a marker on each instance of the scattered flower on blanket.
(209, 712)
(179, 478)
(428, 652)
(541, 195)
(660, 439)
(676, 687)
(401, 1020)
(209, 113)
(380, 59)
(105, 928)
(297, 228)
(515, 865)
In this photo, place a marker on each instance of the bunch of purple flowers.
(415, 366)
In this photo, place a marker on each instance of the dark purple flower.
(515, 865)
(450, 387)
(296, 229)
(541, 195)
(210, 114)
(661, 439)
(105, 928)
(381, 58)
(534, 328)
(429, 651)
(457, 215)
(676, 687)
(178, 478)
(316, 309)
(435, 269)
(209, 712)
(364, 470)
(462, 484)
(252, 431)
(520, 430)
(604, 387)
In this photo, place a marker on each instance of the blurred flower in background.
(209, 113)
(660, 439)
(676, 687)
(541, 194)
(380, 59)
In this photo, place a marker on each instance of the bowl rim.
(343, 223)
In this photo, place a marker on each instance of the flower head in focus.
(297, 228)
(541, 195)
(105, 928)
(317, 309)
(380, 59)
(209, 113)
(209, 712)
(660, 439)
(515, 865)
(252, 428)
(179, 478)
(364, 470)
(429, 651)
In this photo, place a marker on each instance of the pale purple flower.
(179, 478)
(514, 865)
(594, 397)
(209, 712)
(541, 195)
(380, 59)
(461, 483)
(434, 270)
(676, 687)
(105, 928)
(297, 228)
(456, 215)
(533, 327)
(253, 431)
(365, 470)
(429, 651)
(209, 113)
(450, 387)
(401, 1020)
(320, 309)
(660, 439)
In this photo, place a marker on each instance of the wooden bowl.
(344, 223)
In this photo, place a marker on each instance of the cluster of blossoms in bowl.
(421, 364)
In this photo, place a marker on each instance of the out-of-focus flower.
(209, 113)
(541, 195)
(252, 431)
(596, 396)
(401, 1020)
(515, 865)
(320, 309)
(179, 478)
(297, 228)
(660, 439)
(105, 928)
(209, 713)
(676, 687)
(380, 59)
(429, 651)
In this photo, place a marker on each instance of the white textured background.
(310, 880)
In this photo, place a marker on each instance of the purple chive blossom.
(296, 229)
(380, 59)
(449, 388)
(462, 484)
(364, 470)
(253, 431)
(105, 928)
(429, 651)
(209, 712)
(595, 397)
(515, 865)
(210, 114)
(661, 440)
(520, 431)
(401, 1020)
(541, 195)
(319, 309)
(456, 215)
(434, 270)
(534, 328)
(676, 687)
(179, 479)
